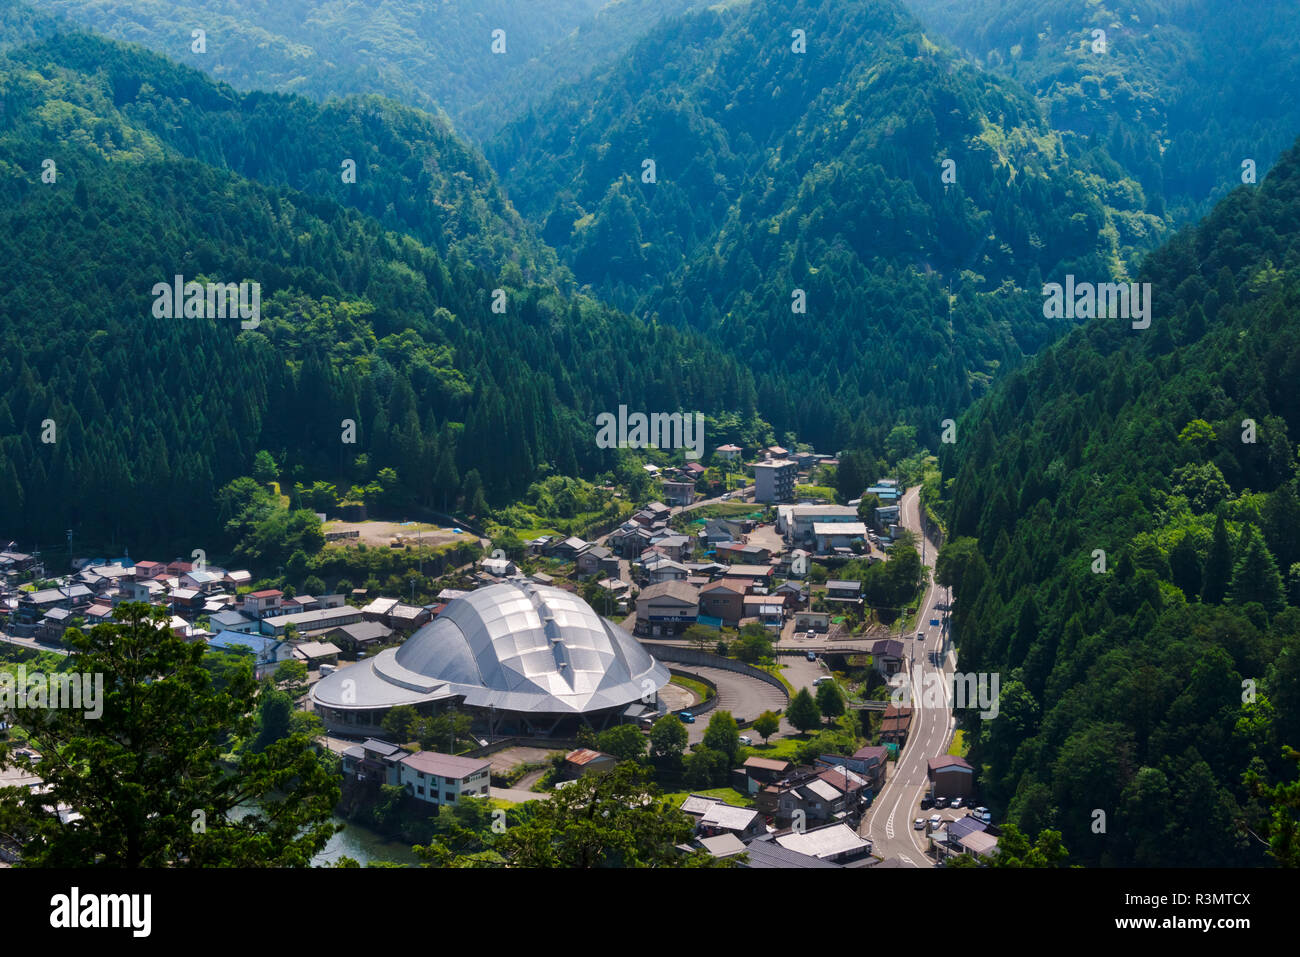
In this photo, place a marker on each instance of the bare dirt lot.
(382, 533)
(512, 757)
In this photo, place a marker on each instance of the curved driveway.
(745, 697)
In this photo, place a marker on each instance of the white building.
(443, 778)
(832, 535)
(800, 519)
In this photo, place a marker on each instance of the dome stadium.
(521, 658)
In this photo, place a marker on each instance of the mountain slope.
(357, 321)
(411, 170)
(434, 54)
(1172, 450)
(821, 171)
(1174, 97)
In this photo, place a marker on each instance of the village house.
(584, 762)
(442, 778)
(675, 546)
(724, 599)
(678, 493)
(847, 592)
(598, 560)
(262, 604)
(145, 571)
(950, 776)
(231, 620)
(713, 817)
(267, 653)
(742, 553)
(660, 568)
(666, 609)
(887, 656)
(317, 653)
(306, 623)
(895, 724)
(757, 773)
(359, 637)
(818, 621)
(147, 590)
(834, 842)
(499, 567)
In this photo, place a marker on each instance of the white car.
(935, 821)
(746, 740)
(919, 824)
(810, 634)
(956, 803)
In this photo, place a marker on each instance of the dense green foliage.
(357, 322)
(118, 102)
(145, 776)
(1128, 521)
(1182, 94)
(616, 819)
(821, 171)
(429, 53)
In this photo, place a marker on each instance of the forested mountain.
(1172, 450)
(434, 54)
(1184, 92)
(412, 172)
(357, 321)
(776, 170)
(20, 23)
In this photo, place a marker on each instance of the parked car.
(956, 803)
(746, 740)
(812, 656)
(919, 824)
(810, 634)
(983, 814)
(687, 717)
(940, 802)
(935, 821)
(818, 682)
(927, 802)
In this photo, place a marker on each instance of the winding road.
(888, 824)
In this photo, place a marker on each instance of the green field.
(780, 749)
(730, 795)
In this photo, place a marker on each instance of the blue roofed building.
(267, 652)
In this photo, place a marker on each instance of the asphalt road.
(745, 697)
(888, 824)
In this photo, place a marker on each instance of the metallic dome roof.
(513, 646)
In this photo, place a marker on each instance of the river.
(363, 846)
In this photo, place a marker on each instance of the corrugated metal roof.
(514, 646)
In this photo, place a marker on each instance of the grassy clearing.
(778, 749)
(730, 795)
(701, 691)
(958, 746)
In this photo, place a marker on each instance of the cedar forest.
(1121, 506)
